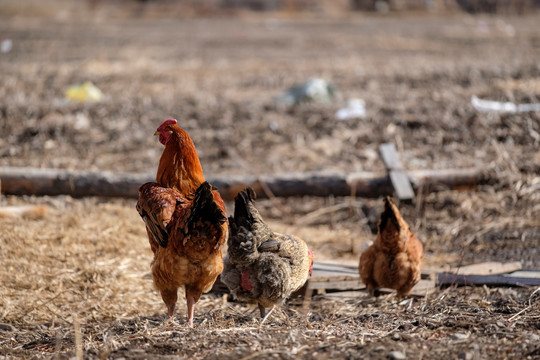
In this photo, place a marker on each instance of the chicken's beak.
(157, 133)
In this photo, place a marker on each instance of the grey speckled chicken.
(262, 266)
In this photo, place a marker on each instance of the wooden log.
(34, 181)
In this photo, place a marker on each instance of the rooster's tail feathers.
(204, 207)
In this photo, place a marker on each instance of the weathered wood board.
(338, 277)
(518, 278)
(487, 268)
(333, 277)
(398, 177)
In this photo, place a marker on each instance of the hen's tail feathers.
(388, 215)
(391, 220)
(247, 216)
(244, 209)
(247, 229)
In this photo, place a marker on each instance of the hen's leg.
(265, 316)
(262, 310)
(373, 290)
(190, 308)
(403, 292)
(169, 298)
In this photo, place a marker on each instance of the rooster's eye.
(170, 132)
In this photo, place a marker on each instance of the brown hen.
(394, 260)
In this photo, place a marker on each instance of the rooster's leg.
(190, 308)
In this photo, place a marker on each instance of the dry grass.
(85, 265)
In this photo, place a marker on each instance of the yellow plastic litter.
(84, 93)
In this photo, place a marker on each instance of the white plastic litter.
(6, 46)
(502, 107)
(356, 108)
(314, 90)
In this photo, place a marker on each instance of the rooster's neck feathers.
(179, 166)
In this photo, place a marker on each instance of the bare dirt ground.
(83, 268)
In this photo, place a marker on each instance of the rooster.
(185, 220)
(394, 260)
(262, 266)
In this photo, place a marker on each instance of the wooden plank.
(33, 181)
(352, 294)
(490, 280)
(329, 269)
(398, 178)
(525, 274)
(336, 284)
(335, 268)
(402, 185)
(329, 276)
(487, 268)
(423, 288)
(346, 263)
(390, 156)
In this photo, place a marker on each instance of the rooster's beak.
(156, 133)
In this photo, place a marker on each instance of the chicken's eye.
(170, 132)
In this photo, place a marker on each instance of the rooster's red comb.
(168, 122)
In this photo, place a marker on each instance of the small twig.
(267, 315)
(269, 194)
(235, 310)
(266, 189)
(532, 294)
(306, 219)
(519, 313)
(235, 329)
(78, 338)
(527, 308)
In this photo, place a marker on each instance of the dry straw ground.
(76, 281)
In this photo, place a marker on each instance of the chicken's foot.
(265, 315)
(190, 307)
